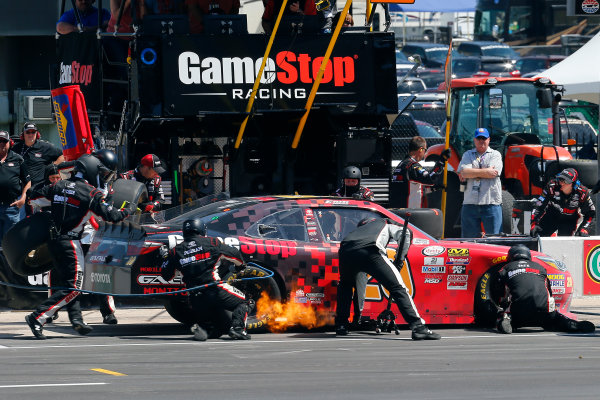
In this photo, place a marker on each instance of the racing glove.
(149, 208)
(446, 155)
(535, 230)
(582, 232)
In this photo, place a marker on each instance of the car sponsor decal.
(498, 260)
(458, 269)
(281, 248)
(457, 282)
(433, 269)
(557, 283)
(432, 280)
(420, 241)
(453, 252)
(458, 260)
(433, 250)
(433, 261)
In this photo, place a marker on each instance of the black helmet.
(192, 227)
(107, 157)
(518, 252)
(352, 172)
(89, 167)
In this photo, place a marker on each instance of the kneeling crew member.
(72, 203)
(149, 172)
(199, 259)
(529, 297)
(364, 250)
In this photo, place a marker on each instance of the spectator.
(295, 7)
(406, 189)
(349, 21)
(88, 15)
(14, 183)
(559, 206)
(351, 185)
(148, 172)
(126, 23)
(198, 8)
(481, 168)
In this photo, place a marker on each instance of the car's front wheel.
(487, 296)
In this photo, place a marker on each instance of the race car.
(297, 237)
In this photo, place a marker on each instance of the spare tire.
(426, 219)
(24, 245)
(507, 209)
(587, 170)
(133, 192)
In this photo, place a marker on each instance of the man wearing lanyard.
(481, 168)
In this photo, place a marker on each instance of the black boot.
(36, 328)
(422, 332)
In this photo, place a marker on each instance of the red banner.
(591, 273)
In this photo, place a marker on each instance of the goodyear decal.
(498, 260)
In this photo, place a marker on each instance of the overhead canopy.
(435, 6)
(579, 72)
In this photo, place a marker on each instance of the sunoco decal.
(433, 250)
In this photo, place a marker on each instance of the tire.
(131, 191)
(507, 209)
(587, 169)
(219, 322)
(426, 219)
(487, 295)
(24, 245)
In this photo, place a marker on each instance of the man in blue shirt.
(88, 15)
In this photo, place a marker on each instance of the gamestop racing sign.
(219, 75)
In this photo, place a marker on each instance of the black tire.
(427, 219)
(132, 192)
(24, 245)
(587, 169)
(487, 296)
(180, 310)
(507, 209)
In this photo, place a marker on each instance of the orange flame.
(286, 315)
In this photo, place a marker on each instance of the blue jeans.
(473, 215)
(9, 216)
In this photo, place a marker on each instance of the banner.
(591, 272)
(78, 64)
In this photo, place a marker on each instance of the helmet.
(519, 252)
(352, 172)
(89, 167)
(109, 164)
(193, 226)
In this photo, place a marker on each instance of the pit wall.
(582, 258)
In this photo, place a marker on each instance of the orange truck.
(523, 118)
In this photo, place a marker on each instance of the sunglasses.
(30, 132)
(3, 141)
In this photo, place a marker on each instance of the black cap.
(4, 136)
(29, 126)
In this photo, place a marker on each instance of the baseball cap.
(152, 161)
(569, 175)
(482, 132)
(4, 136)
(29, 126)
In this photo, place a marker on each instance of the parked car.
(537, 64)
(411, 86)
(497, 66)
(433, 55)
(403, 65)
(485, 48)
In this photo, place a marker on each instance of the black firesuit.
(529, 295)
(156, 197)
(556, 210)
(72, 203)
(406, 188)
(199, 260)
(356, 192)
(364, 250)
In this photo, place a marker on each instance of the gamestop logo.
(75, 73)
(287, 68)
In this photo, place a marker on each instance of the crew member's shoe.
(36, 328)
(422, 332)
(81, 327)
(239, 333)
(341, 330)
(109, 319)
(585, 327)
(199, 333)
(52, 318)
(503, 325)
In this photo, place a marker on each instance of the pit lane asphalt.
(149, 356)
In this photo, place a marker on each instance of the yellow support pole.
(240, 135)
(448, 81)
(313, 91)
(368, 14)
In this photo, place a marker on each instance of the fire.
(286, 315)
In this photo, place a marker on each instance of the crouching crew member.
(149, 172)
(72, 203)
(406, 189)
(528, 297)
(559, 206)
(364, 250)
(199, 259)
(351, 186)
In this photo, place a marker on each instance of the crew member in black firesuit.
(149, 172)
(559, 205)
(406, 188)
(351, 185)
(364, 249)
(528, 300)
(199, 259)
(72, 202)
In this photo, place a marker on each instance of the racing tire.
(507, 210)
(428, 220)
(24, 245)
(125, 190)
(587, 169)
(487, 295)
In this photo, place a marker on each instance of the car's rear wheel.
(487, 296)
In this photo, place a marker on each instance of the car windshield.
(465, 66)
(497, 66)
(411, 86)
(499, 51)
(401, 58)
(426, 130)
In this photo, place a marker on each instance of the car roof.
(425, 44)
(485, 43)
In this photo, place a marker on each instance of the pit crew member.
(149, 172)
(351, 185)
